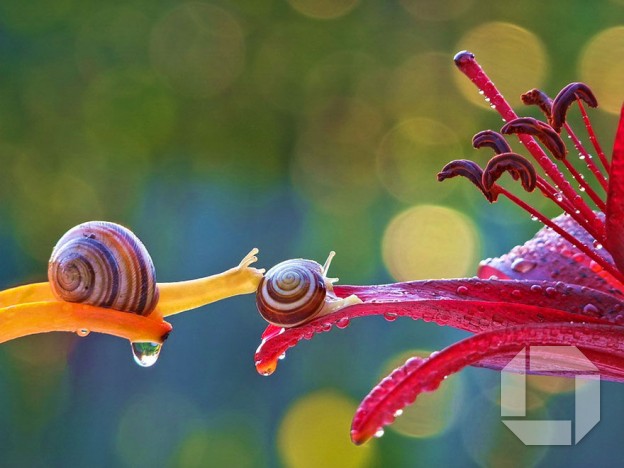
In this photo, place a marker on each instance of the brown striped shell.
(103, 264)
(291, 293)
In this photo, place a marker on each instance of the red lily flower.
(563, 287)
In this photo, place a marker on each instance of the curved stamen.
(536, 97)
(468, 65)
(491, 139)
(543, 132)
(565, 98)
(518, 166)
(471, 171)
(542, 100)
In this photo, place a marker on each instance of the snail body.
(297, 291)
(103, 264)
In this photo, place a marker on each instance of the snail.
(103, 264)
(297, 291)
(102, 279)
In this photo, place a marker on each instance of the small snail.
(103, 264)
(296, 291)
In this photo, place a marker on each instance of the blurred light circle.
(315, 433)
(602, 68)
(128, 109)
(115, 36)
(439, 10)
(222, 449)
(334, 164)
(513, 57)
(199, 48)
(410, 156)
(153, 425)
(433, 412)
(429, 241)
(323, 9)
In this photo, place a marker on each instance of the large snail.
(104, 264)
(98, 273)
(297, 291)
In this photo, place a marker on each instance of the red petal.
(403, 385)
(615, 199)
(469, 304)
(549, 257)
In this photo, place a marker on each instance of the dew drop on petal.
(146, 353)
(390, 316)
(282, 356)
(82, 332)
(343, 322)
(398, 413)
(522, 266)
(379, 433)
(590, 309)
(462, 290)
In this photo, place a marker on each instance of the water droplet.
(398, 413)
(481, 92)
(534, 218)
(82, 332)
(462, 290)
(522, 266)
(327, 327)
(146, 353)
(379, 433)
(581, 188)
(390, 316)
(597, 245)
(581, 157)
(550, 291)
(516, 293)
(590, 309)
(343, 322)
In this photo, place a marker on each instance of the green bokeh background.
(210, 128)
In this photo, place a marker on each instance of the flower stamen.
(516, 165)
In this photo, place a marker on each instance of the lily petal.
(473, 305)
(403, 385)
(548, 255)
(614, 222)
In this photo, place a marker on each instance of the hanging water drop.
(379, 433)
(146, 353)
(82, 332)
(343, 322)
(391, 316)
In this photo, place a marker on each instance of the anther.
(471, 171)
(518, 166)
(543, 132)
(536, 97)
(491, 139)
(565, 98)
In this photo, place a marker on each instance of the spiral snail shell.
(293, 292)
(103, 264)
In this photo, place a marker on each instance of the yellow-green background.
(298, 127)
